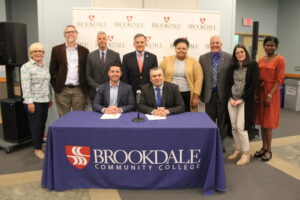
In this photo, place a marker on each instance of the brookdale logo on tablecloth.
(134, 160)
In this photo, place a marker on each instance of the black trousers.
(37, 122)
(187, 100)
(218, 113)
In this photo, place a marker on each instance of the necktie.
(140, 62)
(215, 71)
(158, 97)
(102, 63)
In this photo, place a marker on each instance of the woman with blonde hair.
(35, 82)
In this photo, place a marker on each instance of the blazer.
(249, 91)
(95, 75)
(125, 99)
(206, 63)
(59, 67)
(171, 99)
(131, 73)
(193, 74)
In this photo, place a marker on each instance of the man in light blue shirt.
(114, 97)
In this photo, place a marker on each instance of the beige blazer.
(193, 74)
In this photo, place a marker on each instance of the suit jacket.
(171, 99)
(131, 72)
(193, 74)
(95, 75)
(249, 91)
(125, 99)
(206, 63)
(59, 67)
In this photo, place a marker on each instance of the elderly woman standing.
(186, 72)
(35, 82)
(240, 89)
(271, 76)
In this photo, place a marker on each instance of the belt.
(71, 86)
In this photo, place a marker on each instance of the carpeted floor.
(279, 179)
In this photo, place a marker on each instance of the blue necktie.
(158, 97)
(215, 71)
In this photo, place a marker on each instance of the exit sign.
(247, 22)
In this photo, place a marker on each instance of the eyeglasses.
(68, 32)
(38, 51)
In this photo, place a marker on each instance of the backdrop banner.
(161, 28)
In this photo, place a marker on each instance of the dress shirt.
(137, 55)
(113, 94)
(218, 57)
(35, 82)
(161, 89)
(72, 58)
(105, 53)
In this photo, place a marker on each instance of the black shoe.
(260, 153)
(267, 156)
(223, 149)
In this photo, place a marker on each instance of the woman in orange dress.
(271, 76)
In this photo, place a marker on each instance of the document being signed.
(154, 117)
(110, 116)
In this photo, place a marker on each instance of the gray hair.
(72, 26)
(156, 69)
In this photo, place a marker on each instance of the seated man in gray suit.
(159, 97)
(114, 97)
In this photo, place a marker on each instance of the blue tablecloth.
(182, 151)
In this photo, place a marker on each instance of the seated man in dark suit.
(159, 97)
(114, 97)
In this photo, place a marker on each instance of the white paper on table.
(110, 116)
(153, 117)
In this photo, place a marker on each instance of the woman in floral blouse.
(35, 82)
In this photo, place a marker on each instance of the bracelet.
(269, 95)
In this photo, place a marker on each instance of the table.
(183, 151)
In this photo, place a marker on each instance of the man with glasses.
(67, 69)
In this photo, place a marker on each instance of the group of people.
(225, 83)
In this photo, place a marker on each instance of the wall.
(2, 19)
(264, 11)
(288, 29)
(24, 12)
(227, 8)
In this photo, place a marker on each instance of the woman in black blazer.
(240, 89)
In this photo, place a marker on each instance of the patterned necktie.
(158, 97)
(102, 63)
(140, 62)
(215, 71)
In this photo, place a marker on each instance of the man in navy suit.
(137, 64)
(114, 97)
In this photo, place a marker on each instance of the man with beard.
(98, 63)
(114, 97)
(67, 70)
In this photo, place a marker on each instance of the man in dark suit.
(159, 97)
(215, 65)
(98, 63)
(137, 64)
(114, 97)
(67, 69)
